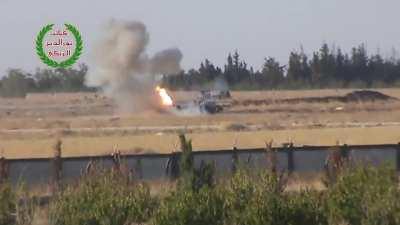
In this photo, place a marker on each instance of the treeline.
(17, 82)
(326, 68)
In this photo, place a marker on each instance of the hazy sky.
(208, 28)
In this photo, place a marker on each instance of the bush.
(186, 163)
(191, 177)
(103, 199)
(365, 195)
(240, 192)
(360, 196)
(16, 84)
(260, 200)
(188, 207)
(7, 205)
(27, 206)
(305, 208)
(203, 176)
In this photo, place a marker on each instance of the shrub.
(337, 160)
(260, 200)
(305, 208)
(7, 205)
(240, 191)
(188, 207)
(203, 176)
(193, 178)
(27, 206)
(302, 208)
(186, 163)
(102, 199)
(364, 195)
(262, 209)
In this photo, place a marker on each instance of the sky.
(208, 28)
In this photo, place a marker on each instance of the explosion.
(124, 70)
(166, 100)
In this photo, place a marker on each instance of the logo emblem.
(59, 48)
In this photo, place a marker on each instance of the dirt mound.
(355, 96)
(367, 95)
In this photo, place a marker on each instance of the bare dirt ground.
(89, 123)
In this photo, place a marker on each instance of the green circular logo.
(50, 52)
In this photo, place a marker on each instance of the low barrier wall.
(154, 166)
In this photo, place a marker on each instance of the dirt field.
(90, 124)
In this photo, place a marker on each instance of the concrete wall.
(305, 159)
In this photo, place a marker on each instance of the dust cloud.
(124, 71)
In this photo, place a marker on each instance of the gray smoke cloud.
(123, 69)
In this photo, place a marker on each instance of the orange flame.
(165, 98)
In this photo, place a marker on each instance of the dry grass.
(283, 113)
(282, 122)
(86, 110)
(79, 146)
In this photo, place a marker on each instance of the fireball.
(166, 100)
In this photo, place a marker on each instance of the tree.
(236, 70)
(299, 70)
(273, 72)
(315, 69)
(376, 69)
(359, 67)
(340, 70)
(208, 70)
(16, 84)
(327, 65)
(72, 79)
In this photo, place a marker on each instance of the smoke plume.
(123, 69)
